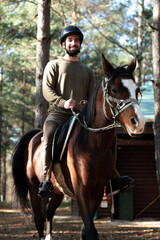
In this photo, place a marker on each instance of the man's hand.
(70, 104)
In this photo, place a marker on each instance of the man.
(66, 83)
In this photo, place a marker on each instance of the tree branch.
(110, 39)
(153, 28)
(63, 14)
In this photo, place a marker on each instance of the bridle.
(121, 105)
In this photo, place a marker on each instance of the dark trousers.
(51, 123)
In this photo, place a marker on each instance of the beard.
(72, 53)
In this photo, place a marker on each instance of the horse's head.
(121, 93)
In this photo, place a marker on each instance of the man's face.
(72, 45)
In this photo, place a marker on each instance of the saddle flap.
(61, 138)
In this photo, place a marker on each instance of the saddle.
(61, 139)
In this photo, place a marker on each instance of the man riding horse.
(67, 84)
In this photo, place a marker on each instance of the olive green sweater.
(65, 79)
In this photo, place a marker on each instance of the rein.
(121, 105)
(84, 124)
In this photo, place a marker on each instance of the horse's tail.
(18, 168)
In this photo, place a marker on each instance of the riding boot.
(45, 187)
(119, 183)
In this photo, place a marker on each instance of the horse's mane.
(87, 115)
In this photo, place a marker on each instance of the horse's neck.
(102, 140)
(104, 137)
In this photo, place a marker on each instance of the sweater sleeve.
(50, 78)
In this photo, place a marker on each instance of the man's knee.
(49, 130)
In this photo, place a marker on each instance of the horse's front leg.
(84, 235)
(88, 231)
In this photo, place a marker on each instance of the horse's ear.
(107, 67)
(131, 67)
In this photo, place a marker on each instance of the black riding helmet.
(71, 30)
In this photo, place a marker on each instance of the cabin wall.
(136, 158)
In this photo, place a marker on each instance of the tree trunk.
(1, 133)
(23, 122)
(4, 175)
(156, 73)
(43, 45)
(140, 39)
(74, 13)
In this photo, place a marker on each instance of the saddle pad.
(61, 138)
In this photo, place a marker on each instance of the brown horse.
(87, 163)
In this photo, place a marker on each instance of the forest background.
(119, 29)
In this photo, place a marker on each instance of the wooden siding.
(135, 158)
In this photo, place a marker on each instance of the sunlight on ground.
(10, 211)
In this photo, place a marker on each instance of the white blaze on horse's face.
(137, 122)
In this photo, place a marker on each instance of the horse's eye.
(114, 90)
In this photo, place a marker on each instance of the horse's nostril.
(141, 130)
(134, 121)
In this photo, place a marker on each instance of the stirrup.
(125, 183)
(120, 184)
(46, 189)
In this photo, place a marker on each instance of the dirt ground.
(15, 225)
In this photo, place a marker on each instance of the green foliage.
(17, 65)
(109, 27)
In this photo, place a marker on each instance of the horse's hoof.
(48, 237)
